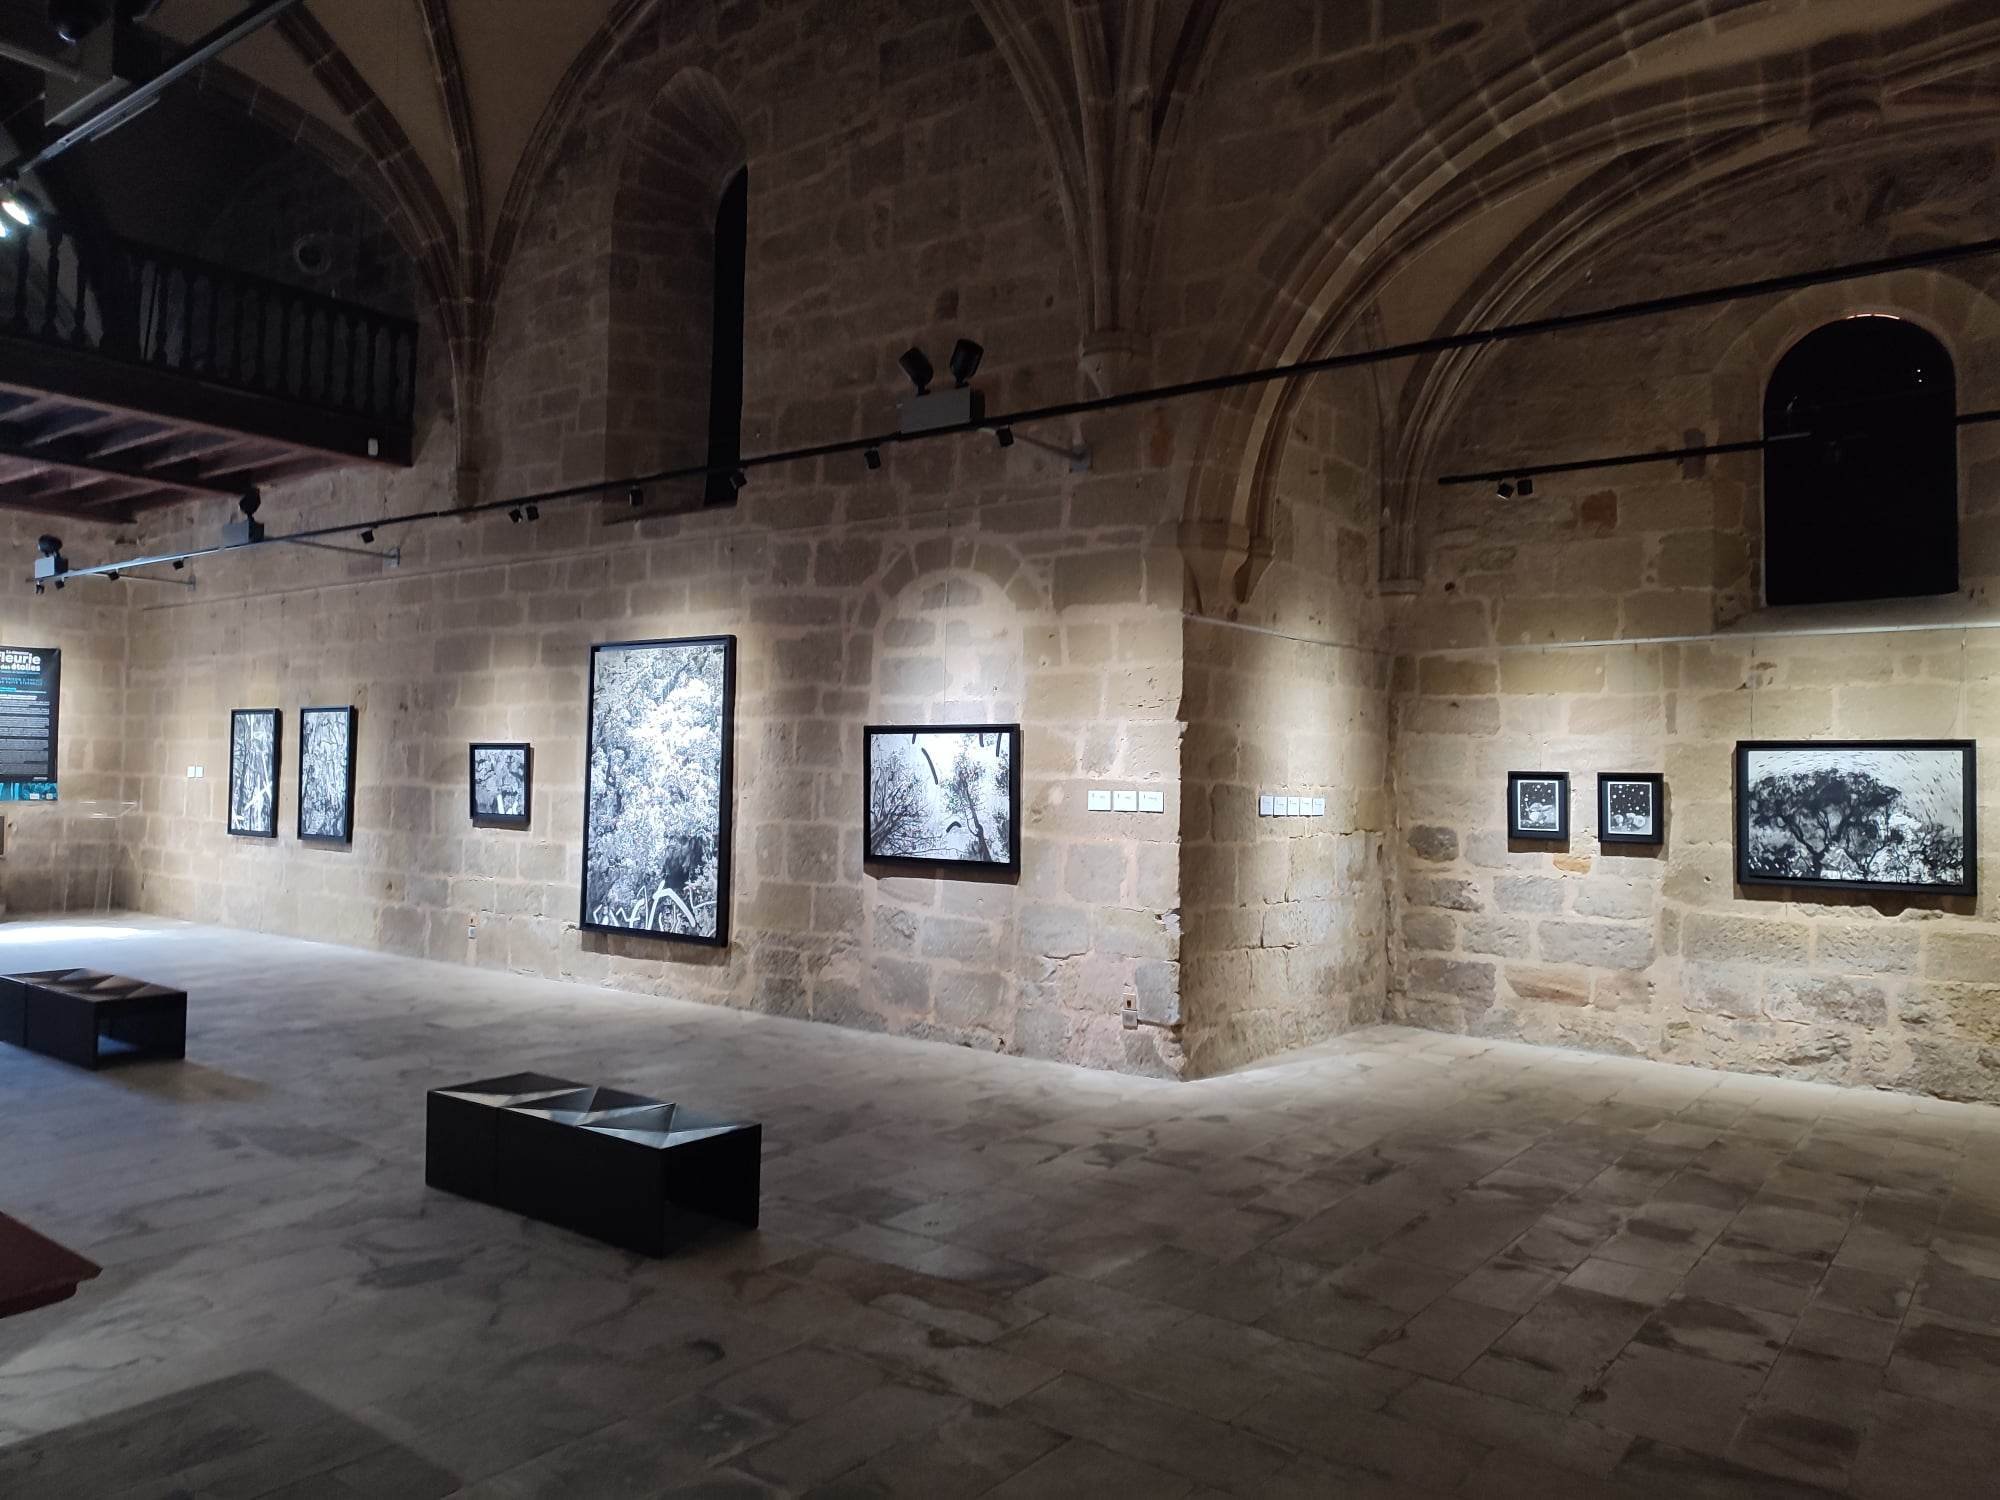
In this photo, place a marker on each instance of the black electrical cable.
(1443, 343)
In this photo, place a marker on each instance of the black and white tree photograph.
(253, 772)
(1630, 808)
(657, 788)
(1861, 815)
(1538, 805)
(501, 784)
(326, 774)
(943, 794)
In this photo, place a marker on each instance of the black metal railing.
(172, 312)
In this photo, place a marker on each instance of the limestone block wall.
(1611, 623)
(1288, 693)
(55, 858)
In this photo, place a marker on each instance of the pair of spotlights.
(964, 364)
(522, 513)
(1524, 487)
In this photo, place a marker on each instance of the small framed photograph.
(1631, 807)
(1538, 805)
(502, 784)
(942, 794)
(1859, 815)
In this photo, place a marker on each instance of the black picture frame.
(1753, 872)
(1011, 864)
(501, 820)
(277, 718)
(346, 833)
(1516, 829)
(725, 791)
(1656, 830)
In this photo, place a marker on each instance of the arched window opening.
(1865, 504)
(725, 359)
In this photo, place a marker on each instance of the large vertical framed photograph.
(1859, 815)
(253, 772)
(326, 774)
(657, 788)
(1538, 805)
(502, 781)
(1631, 807)
(942, 794)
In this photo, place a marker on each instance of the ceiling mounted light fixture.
(635, 497)
(514, 515)
(534, 513)
(1004, 436)
(367, 536)
(1526, 486)
(872, 457)
(1506, 490)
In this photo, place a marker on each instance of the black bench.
(70, 1013)
(631, 1171)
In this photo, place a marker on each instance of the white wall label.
(1264, 801)
(1152, 802)
(1319, 807)
(1124, 801)
(1099, 800)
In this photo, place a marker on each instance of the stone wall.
(1511, 660)
(57, 858)
(1286, 917)
(959, 582)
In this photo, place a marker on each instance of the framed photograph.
(942, 794)
(1859, 815)
(502, 780)
(253, 772)
(1631, 807)
(1538, 805)
(326, 775)
(657, 788)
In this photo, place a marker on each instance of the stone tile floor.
(1400, 1264)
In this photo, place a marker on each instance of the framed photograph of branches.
(502, 779)
(942, 794)
(326, 774)
(657, 788)
(1859, 815)
(253, 772)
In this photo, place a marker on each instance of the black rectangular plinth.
(631, 1171)
(69, 1013)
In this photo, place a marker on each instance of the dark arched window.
(725, 358)
(1863, 505)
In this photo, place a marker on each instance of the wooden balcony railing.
(173, 313)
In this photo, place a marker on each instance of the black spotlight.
(48, 545)
(112, 575)
(534, 513)
(179, 563)
(872, 457)
(1526, 487)
(635, 497)
(251, 503)
(1506, 490)
(41, 588)
(367, 537)
(514, 515)
(965, 358)
(73, 20)
(739, 479)
(1004, 436)
(916, 364)
(59, 584)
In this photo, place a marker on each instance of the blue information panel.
(30, 691)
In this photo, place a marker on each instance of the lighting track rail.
(1000, 423)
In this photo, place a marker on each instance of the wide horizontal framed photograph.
(657, 788)
(1859, 815)
(253, 772)
(1631, 807)
(503, 786)
(942, 795)
(1538, 805)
